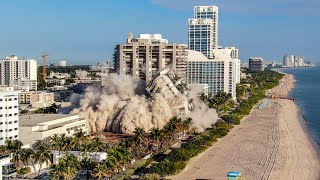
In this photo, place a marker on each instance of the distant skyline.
(86, 31)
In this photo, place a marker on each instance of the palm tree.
(57, 171)
(14, 148)
(3, 149)
(101, 171)
(139, 135)
(72, 165)
(67, 167)
(187, 124)
(55, 142)
(97, 145)
(155, 136)
(43, 155)
(78, 139)
(27, 155)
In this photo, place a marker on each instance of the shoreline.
(268, 144)
(303, 122)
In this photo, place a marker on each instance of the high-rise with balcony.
(203, 30)
(146, 56)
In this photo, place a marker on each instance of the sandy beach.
(269, 144)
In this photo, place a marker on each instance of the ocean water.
(307, 93)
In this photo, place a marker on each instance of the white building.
(35, 127)
(24, 84)
(18, 72)
(220, 74)
(58, 75)
(7, 169)
(293, 61)
(62, 63)
(146, 56)
(9, 114)
(203, 30)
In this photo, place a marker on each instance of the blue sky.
(86, 31)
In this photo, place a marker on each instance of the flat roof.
(34, 119)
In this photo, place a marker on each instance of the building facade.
(219, 74)
(146, 56)
(203, 30)
(37, 99)
(9, 114)
(256, 64)
(12, 69)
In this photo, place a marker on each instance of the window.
(1, 130)
(10, 122)
(15, 114)
(1, 100)
(15, 98)
(1, 115)
(1, 107)
(1, 138)
(15, 129)
(16, 136)
(15, 121)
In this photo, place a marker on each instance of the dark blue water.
(307, 93)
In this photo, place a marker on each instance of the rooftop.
(34, 119)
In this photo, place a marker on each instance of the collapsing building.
(169, 86)
(121, 108)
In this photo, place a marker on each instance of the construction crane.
(44, 72)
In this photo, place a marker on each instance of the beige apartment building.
(146, 56)
(37, 99)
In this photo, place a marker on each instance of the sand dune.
(269, 144)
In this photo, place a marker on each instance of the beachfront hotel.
(219, 74)
(203, 30)
(208, 64)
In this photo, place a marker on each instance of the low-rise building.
(35, 127)
(37, 99)
(58, 75)
(7, 168)
(62, 95)
(56, 81)
(256, 64)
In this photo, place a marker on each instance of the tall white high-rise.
(203, 30)
(14, 71)
(9, 114)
